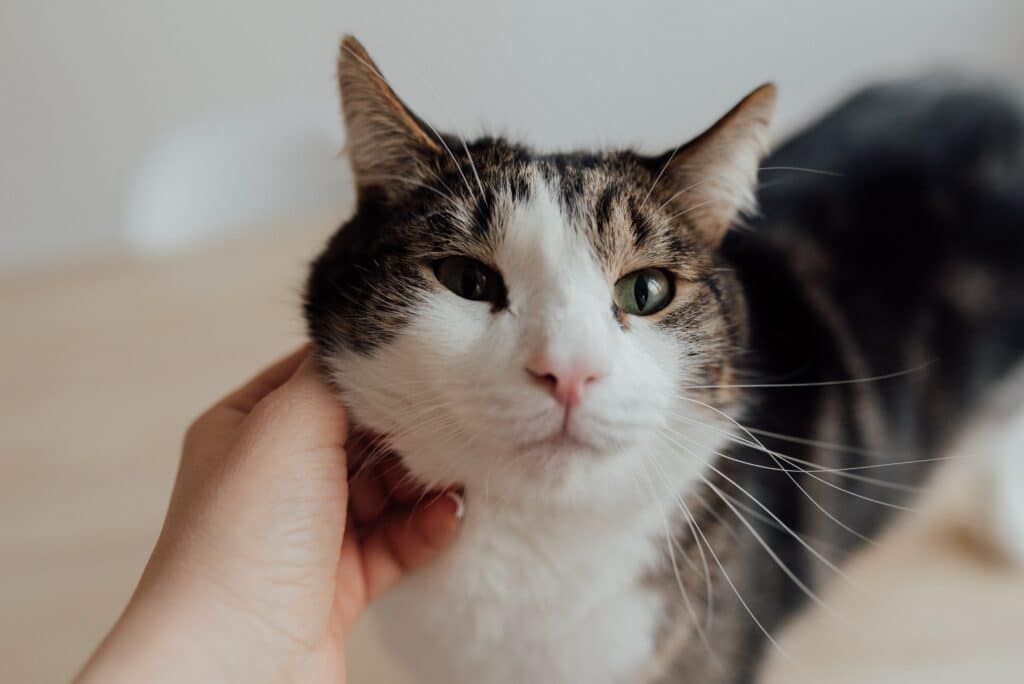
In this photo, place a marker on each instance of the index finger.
(302, 414)
(266, 381)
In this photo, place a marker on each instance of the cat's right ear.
(713, 177)
(386, 142)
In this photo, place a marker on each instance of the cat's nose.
(565, 380)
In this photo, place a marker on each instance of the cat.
(668, 411)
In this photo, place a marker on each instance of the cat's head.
(533, 323)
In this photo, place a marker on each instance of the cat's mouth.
(560, 441)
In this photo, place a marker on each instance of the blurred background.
(153, 124)
(168, 169)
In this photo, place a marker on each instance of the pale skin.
(275, 541)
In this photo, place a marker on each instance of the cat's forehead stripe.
(604, 196)
(640, 224)
(607, 201)
(483, 213)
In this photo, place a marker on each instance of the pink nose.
(564, 380)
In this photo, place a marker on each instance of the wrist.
(175, 631)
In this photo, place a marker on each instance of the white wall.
(104, 103)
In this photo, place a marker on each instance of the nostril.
(543, 377)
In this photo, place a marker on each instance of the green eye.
(644, 292)
(470, 279)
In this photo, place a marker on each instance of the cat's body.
(907, 262)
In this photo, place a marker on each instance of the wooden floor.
(103, 365)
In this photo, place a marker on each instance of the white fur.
(545, 582)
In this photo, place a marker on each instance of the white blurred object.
(1007, 489)
(230, 172)
(994, 442)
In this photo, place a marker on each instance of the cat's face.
(531, 323)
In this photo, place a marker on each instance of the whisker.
(857, 495)
(692, 524)
(743, 602)
(800, 487)
(660, 174)
(810, 498)
(822, 383)
(761, 517)
(808, 466)
(833, 446)
(852, 450)
(409, 181)
(688, 188)
(819, 172)
(774, 556)
(692, 208)
(472, 165)
(825, 561)
(671, 544)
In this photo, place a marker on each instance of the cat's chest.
(520, 599)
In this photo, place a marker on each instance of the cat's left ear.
(712, 179)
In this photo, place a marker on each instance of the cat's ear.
(712, 179)
(386, 142)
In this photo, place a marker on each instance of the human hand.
(267, 557)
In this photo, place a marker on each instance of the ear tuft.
(385, 139)
(713, 177)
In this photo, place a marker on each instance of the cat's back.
(919, 171)
(885, 296)
(904, 208)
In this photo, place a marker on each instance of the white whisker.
(671, 545)
(823, 383)
(819, 172)
(692, 524)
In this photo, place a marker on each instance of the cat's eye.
(643, 292)
(470, 279)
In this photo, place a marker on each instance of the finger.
(375, 473)
(367, 498)
(363, 449)
(266, 381)
(350, 597)
(301, 416)
(403, 543)
(398, 482)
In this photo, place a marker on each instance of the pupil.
(641, 292)
(472, 282)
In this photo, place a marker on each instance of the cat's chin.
(547, 463)
(560, 467)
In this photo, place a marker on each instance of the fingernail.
(460, 504)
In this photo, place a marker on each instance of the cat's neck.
(544, 588)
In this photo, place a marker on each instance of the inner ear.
(710, 180)
(387, 143)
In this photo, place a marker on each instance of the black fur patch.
(641, 225)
